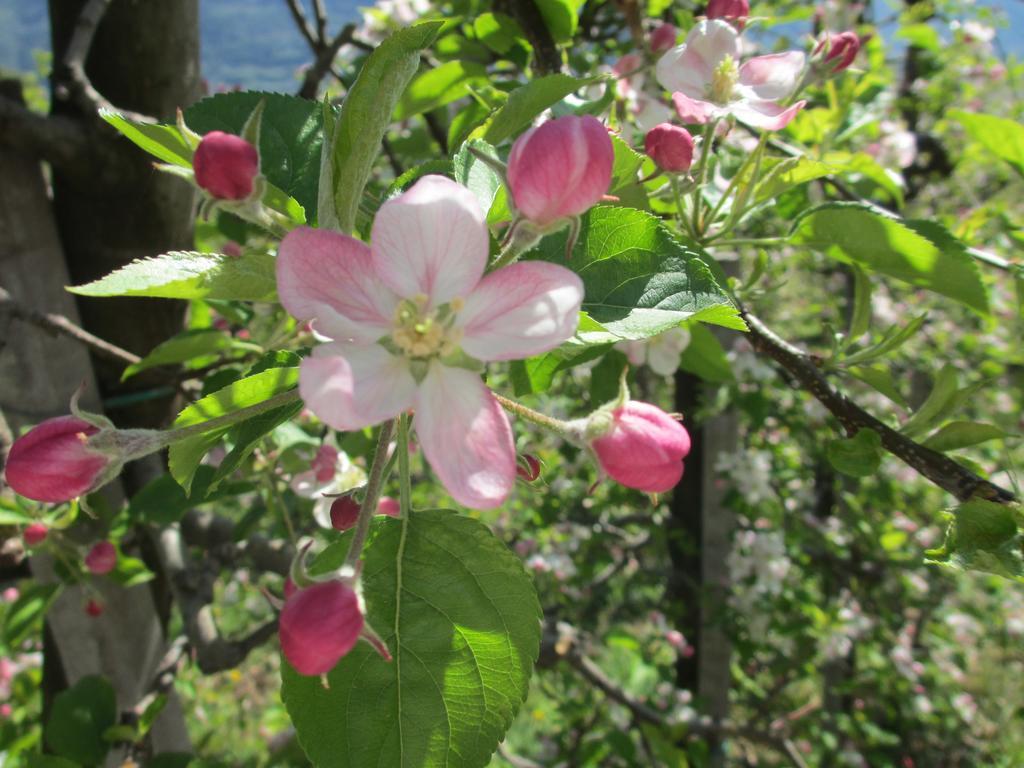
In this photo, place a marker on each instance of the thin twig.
(299, 15)
(58, 325)
(320, 14)
(324, 59)
(374, 484)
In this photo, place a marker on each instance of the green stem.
(702, 177)
(404, 482)
(754, 156)
(228, 419)
(373, 488)
(673, 182)
(531, 415)
(747, 241)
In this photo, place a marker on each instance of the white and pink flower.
(408, 321)
(707, 82)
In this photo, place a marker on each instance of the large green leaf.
(525, 103)
(185, 455)
(1003, 138)
(190, 275)
(462, 620)
(560, 17)
(188, 345)
(639, 278)
(25, 615)
(921, 253)
(353, 140)
(290, 137)
(984, 536)
(439, 86)
(78, 719)
(162, 141)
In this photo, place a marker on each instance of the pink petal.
(521, 310)
(774, 76)
(689, 67)
(766, 115)
(432, 240)
(693, 111)
(465, 436)
(328, 277)
(351, 387)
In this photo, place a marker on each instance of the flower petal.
(773, 76)
(351, 387)
(328, 278)
(766, 115)
(465, 436)
(689, 67)
(432, 240)
(521, 310)
(693, 111)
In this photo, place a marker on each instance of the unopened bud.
(664, 37)
(670, 146)
(643, 448)
(226, 166)
(839, 50)
(53, 461)
(35, 534)
(528, 467)
(344, 512)
(94, 608)
(102, 558)
(319, 625)
(737, 10)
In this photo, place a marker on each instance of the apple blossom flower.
(728, 9)
(331, 473)
(660, 353)
(226, 166)
(408, 320)
(102, 558)
(640, 446)
(670, 147)
(839, 50)
(707, 82)
(560, 169)
(319, 624)
(53, 462)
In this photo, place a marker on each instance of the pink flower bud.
(35, 534)
(101, 558)
(728, 9)
(670, 146)
(325, 463)
(344, 512)
(52, 462)
(644, 448)
(10, 594)
(319, 625)
(664, 37)
(560, 169)
(840, 49)
(226, 165)
(528, 468)
(675, 639)
(6, 710)
(94, 608)
(389, 506)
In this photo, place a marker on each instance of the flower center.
(724, 80)
(419, 333)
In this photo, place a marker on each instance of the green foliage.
(164, 142)
(1003, 138)
(188, 345)
(525, 103)
(441, 85)
(26, 614)
(984, 536)
(79, 718)
(560, 17)
(962, 434)
(858, 456)
(162, 501)
(462, 621)
(191, 275)
(918, 252)
(352, 141)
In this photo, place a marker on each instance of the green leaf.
(857, 456)
(162, 141)
(186, 346)
(525, 103)
(290, 137)
(49, 761)
(962, 434)
(26, 613)
(185, 455)
(191, 275)
(894, 338)
(462, 620)
(354, 140)
(984, 536)
(917, 252)
(861, 320)
(560, 17)
(479, 177)
(639, 279)
(439, 86)
(936, 405)
(78, 719)
(879, 378)
(627, 163)
(920, 35)
(498, 31)
(705, 357)
(1003, 138)
(163, 502)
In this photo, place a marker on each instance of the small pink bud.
(94, 608)
(325, 463)
(664, 37)
(226, 165)
(528, 468)
(389, 506)
(840, 49)
(35, 534)
(232, 249)
(6, 710)
(101, 558)
(319, 625)
(344, 512)
(728, 9)
(10, 594)
(644, 448)
(675, 639)
(52, 461)
(560, 169)
(670, 146)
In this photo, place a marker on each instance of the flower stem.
(702, 177)
(753, 157)
(228, 419)
(404, 482)
(373, 488)
(531, 415)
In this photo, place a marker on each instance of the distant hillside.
(253, 43)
